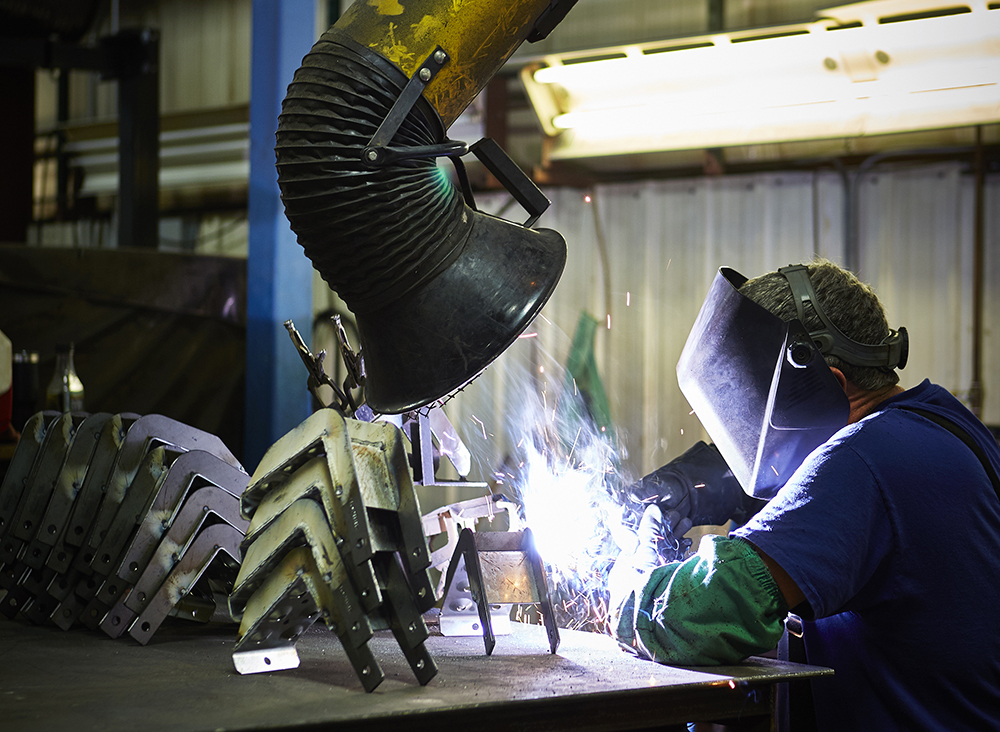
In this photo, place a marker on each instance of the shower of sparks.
(568, 486)
(528, 335)
(628, 299)
(609, 321)
(587, 198)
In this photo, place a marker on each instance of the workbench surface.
(184, 681)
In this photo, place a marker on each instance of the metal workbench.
(184, 681)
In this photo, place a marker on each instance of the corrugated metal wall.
(664, 241)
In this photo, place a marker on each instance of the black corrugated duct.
(439, 290)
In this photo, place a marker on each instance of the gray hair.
(848, 302)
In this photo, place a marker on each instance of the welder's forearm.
(717, 607)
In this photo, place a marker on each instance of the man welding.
(882, 528)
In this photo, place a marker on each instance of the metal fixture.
(335, 532)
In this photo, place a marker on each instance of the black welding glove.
(696, 489)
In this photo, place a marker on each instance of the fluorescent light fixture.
(864, 69)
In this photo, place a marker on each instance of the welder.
(882, 526)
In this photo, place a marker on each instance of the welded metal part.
(147, 433)
(381, 464)
(22, 521)
(16, 477)
(93, 613)
(403, 615)
(312, 481)
(49, 489)
(147, 481)
(302, 524)
(88, 499)
(68, 611)
(459, 611)
(188, 473)
(292, 597)
(206, 505)
(53, 522)
(323, 433)
(502, 567)
(216, 548)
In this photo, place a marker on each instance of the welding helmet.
(760, 385)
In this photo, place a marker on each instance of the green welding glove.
(716, 607)
(635, 563)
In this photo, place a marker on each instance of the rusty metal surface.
(184, 681)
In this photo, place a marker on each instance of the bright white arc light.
(816, 83)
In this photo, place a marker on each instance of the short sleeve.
(828, 528)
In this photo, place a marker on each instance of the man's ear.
(841, 379)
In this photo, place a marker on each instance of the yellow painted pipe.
(478, 36)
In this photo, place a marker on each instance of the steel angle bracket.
(303, 524)
(322, 433)
(382, 467)
(503, 568)
(403, 616)
(88, 498)
(218, 543)
(68, 484)
(147, 433)
(189, 472)
(312, 481)
(32, 495)
(292, 597)
(16, 478)
(204, 505)
(141, 491)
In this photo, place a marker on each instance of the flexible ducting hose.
(438, 289)
(372, 234)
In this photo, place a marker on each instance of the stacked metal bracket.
(335, 533)
(117, 521)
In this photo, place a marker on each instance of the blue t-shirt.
(891, 529)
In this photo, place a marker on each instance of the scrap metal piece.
(503, 567)
(217, 544)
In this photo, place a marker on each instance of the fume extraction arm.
(438, 289)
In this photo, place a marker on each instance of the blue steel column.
(279, 276)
